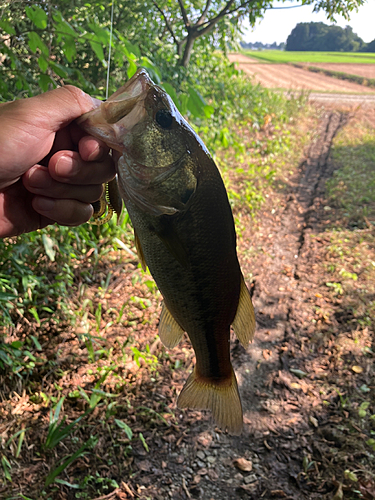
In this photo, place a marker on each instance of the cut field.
(280, 56)
(364, 70)
(284, 76)
(290, 77)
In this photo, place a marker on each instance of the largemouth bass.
(184, 233)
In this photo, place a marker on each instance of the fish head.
(141, 121)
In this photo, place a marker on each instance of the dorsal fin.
(244, 321)
(170, 332)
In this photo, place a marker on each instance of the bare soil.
(291, 78)
(365, 70)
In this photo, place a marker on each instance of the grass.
(279, 56)
(352, 187)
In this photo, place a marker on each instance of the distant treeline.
(260, 46)
(323, 37)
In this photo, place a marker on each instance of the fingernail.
(65, 166)
(95, 154)
(39, 178)
(44, 204)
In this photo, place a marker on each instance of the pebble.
(201, 464)
(211, 459)
(201, 455)
(249, 479)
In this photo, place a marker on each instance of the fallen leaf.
(144, 465)
(243, 464)
(298, 373)
(339, 495)
(313, 421)
(357, 369)
(278, 493)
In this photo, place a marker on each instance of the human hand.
(50, 171)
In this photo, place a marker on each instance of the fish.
(184, 233)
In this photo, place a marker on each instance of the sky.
(278, 23)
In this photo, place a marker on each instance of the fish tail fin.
(221, 397)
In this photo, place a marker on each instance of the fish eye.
(164, 118)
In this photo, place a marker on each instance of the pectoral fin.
(173, 243)
(244, 321)
(170, 332)
(138, 246)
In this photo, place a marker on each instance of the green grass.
(352, 187)
(279, 56)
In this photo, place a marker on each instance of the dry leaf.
(313, 421)
(243, 464)
(357, 369)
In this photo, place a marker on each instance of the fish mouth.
(117, 116)
(122, 102)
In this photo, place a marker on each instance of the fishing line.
(109, 51)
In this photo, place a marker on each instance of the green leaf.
(52, 476)
(132, 48)
(43, 65)
(196, 103)
(59, 69)
(62, 27)
(69, 49)
(101, 34)
(35, 42)
(132, 69)
(44, 81)
(98, 49)
(7, 27)
(145, 445)
(172, 93)
(125, 428)
(37, 16)
(5, 296)
(36, 342)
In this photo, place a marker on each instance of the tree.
(320, 37)
(185, 21)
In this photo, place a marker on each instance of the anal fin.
(170, 332)
(244, 321)
(221, 397)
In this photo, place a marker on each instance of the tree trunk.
(184, 61)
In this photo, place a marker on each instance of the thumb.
(53, 110)
(29, 125)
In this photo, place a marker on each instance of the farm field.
(279, 56)
(286, 76)
(365, 70)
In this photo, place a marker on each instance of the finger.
(68, 167)
(37, 180)
(92, 149)
(64, 212)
